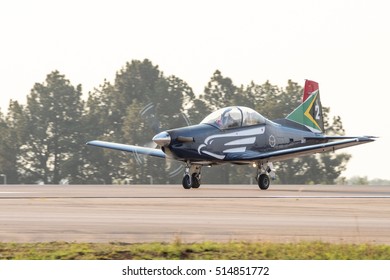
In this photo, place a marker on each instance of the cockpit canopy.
(232, 117)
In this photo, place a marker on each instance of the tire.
(195, 182)
(263, 181)
(187, 182)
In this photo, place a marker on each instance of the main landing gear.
(192, 176)
(264, 172)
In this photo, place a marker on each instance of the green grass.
(205, 251)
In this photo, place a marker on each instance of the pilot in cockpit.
(228, 121)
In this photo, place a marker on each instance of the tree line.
(43, 141)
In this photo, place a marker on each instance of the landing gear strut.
(192, 176)
(264, 171)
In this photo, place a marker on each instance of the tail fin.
(309, 113)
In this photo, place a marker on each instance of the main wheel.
(263, 181)
(187, 182)
(195, 181)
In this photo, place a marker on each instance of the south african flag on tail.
(309, 113)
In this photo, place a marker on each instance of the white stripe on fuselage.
(246, 132)
(235, 150)
(243, 141)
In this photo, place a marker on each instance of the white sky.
(343, 45)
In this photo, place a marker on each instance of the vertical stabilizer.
(310, 87)
(309, 113)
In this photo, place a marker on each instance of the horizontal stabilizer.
(128, 148)
(325, 137)
(285, 154)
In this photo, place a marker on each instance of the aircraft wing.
(285, 154)
(128, 148)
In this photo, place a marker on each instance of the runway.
(145, 213)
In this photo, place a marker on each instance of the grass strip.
(193, 251)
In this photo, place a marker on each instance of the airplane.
(240, 135)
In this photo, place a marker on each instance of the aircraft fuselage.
(212, 145)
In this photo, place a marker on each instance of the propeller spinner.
(162, 139)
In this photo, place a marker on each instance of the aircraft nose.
(162, 139)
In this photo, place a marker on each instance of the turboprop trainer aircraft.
(240, 135)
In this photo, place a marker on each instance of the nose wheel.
(191, 177)
(187, 182)
(191, 182)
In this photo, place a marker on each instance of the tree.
(51, 132)
(220, 92)
(100, 165)
(10, 143)
(141, 103)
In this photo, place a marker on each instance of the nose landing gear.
(192, 176)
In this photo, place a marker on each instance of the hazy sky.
(343, 45)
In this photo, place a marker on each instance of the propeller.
(148, 113)
(162, 138)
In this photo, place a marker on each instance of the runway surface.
(145, 213)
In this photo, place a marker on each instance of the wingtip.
(90, 143)
(367, 138)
